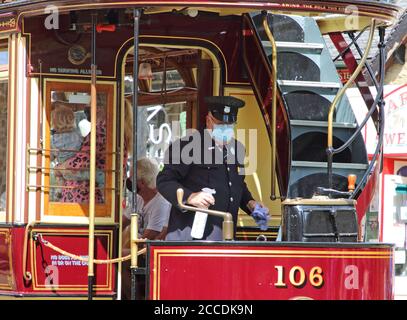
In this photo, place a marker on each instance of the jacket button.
(230, 184)
(231, 199)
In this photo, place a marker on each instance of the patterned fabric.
(66, 141)
(80, 192)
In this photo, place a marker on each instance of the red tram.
(84, 57)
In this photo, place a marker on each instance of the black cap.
(224, 108)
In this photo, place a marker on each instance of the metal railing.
(331, 151)
(48, 170)
(274, 105)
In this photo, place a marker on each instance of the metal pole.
(134, 214)
(92, 183)
(382, 49)
(274, 106)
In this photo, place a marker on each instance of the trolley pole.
(134, 213)
(92, 186)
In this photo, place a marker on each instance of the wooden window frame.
(60, 209)
(5, 76)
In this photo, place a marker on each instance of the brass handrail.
(274, 106)
(228, 227)
(92, 160)
(338, 97)
(26, 274)
(40, 150)
(31, 187)
(350, 81)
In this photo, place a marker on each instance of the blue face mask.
(223, 133)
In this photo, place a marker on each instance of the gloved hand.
(261, 216)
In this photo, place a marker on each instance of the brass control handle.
(228, 227)
(351, 182)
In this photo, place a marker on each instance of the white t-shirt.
(154, 215)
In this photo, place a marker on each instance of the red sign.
(264, 272)
(55, 272)
(344, 74)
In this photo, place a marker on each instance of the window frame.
(5, 76)
(80, 210)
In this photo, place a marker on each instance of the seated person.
(65, 135)
(153, 209)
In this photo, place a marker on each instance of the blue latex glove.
(261, 217)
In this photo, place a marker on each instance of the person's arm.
(150, 234)
(174, 171)
(247, 202)
(159, 214)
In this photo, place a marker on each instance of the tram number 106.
(297, 277)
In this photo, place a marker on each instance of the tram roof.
(380, 9)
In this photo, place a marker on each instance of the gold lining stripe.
(68, 232)
(272, 256)
(248, 5)
(293, 252)
(8, 238)
(158, 253)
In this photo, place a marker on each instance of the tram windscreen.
(70, 147)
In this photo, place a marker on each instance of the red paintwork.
(367, 193)
(219, 34)
(349, 272)
(72, 279)
(366, 196)
(6, 268)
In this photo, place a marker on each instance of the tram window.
(69, 157)
(3, 121)
(3, 54)
(165, 123)
(173, 81)
(3, 137)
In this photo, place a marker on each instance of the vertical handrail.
(379, 146)
(338, 97)
(92, 182)
(134, 214)
(274, 105)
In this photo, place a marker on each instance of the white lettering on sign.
(65, 261)
(157, 136)
(395, 131)
(73, 71)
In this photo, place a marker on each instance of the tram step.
(306, 176)
(284, 28)
(309, 142)
(334, 86)
(313, 106)
(342, 125)
(300, 47)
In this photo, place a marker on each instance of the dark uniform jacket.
(193, 163)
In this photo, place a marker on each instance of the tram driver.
(214, 179)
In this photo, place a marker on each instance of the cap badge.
(226, 110)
